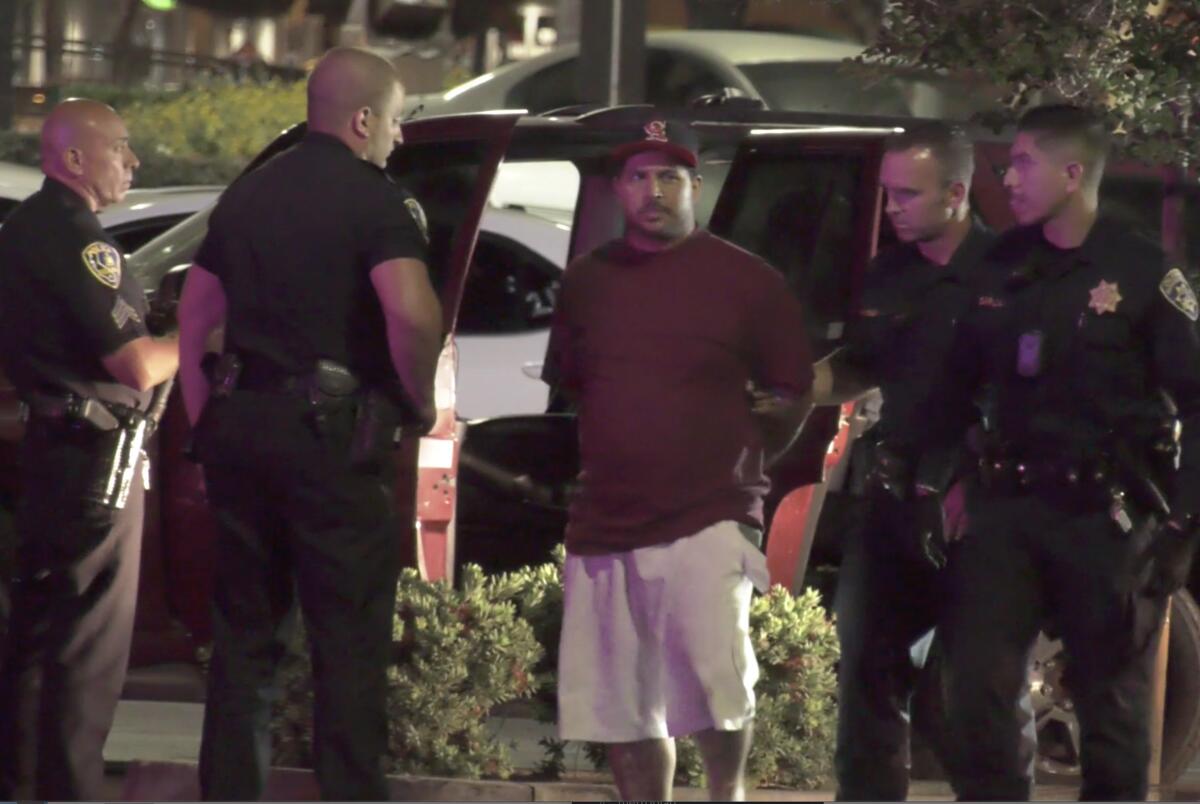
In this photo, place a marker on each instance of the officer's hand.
(954, 511)
(767, 403)
(931, 528)
(161, 318)
(1168, 560)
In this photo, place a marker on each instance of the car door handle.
(532, 369)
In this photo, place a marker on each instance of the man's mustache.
(655, 207)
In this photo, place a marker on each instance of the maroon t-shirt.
(657, 349)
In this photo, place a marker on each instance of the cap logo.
(656, 131)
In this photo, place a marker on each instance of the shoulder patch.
(1178, 292)
(418, 215)
(104, 263)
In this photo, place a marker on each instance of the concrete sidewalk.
(160, 720)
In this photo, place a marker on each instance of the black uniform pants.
(296, 522)
(889, 595)
(73, 604)
(1027, 562)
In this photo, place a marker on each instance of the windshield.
(833, 87)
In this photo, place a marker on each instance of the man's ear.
(956, 195)
(358, 123)
(697, 182)
(1075, 175)
(72, 160)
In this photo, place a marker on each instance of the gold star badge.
(1105, 297)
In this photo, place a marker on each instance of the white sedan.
(785, 71)
(504, 320)
(140, 217)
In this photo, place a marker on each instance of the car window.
(509, 289)
(674, 79)
(7, 205)
(800, 215)
(831, 86)
(549, 88)
(135, 234)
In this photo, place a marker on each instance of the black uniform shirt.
(1075, 346)
(66, 300)
(903, 335)
(293, 244)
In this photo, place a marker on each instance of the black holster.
(892, 471)
(376, 428)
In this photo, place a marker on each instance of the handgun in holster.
(222, 371)
(330, 388)
(376, 428)
(891, 471)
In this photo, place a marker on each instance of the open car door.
(807, 201)
(449, 164)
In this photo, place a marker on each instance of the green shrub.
(203, 135)
(222, 121)
(458, 653)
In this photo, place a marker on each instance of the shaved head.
(85, 145)
(357, 96)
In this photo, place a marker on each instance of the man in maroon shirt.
(656, 339)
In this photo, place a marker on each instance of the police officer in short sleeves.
(77, 349)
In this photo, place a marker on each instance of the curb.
(178, 781)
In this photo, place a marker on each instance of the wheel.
(1057, 723)
(1058, 726)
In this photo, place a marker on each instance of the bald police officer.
(76, 346)
(314, 264)
(1085, 518)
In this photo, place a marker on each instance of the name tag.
(1029, 354)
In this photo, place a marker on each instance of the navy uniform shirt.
(66, 300)
(293, 244)
(1074, 347)
(903, 335)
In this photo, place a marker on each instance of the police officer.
(314, 264)
(1081, 523)
(889, 587)
(77, 349)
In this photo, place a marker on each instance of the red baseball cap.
(659, 134)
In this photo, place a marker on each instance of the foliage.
(457, 654)
(1137, 63)
(223, 121)
(203, 135)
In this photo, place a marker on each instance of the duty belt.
(1020, 473)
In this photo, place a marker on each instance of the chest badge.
(104, 263)
(1105, 297)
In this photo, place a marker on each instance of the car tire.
(1058, 741)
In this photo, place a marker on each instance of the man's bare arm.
(414, 327)
(202, 311)
(144, 362)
